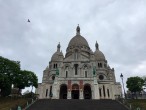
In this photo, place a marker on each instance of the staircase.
(73, 104)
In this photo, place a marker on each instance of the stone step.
(75, 104)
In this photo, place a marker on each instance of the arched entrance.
(87, 91)
(75, 91)
(63, 91)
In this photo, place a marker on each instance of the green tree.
(8, 71)
(33, 80)
(20, 80)
(5, 85)
(135, 84)
(26, 79)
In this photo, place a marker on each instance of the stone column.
(69, 90)
(113, 91)
(68, 94)
(54, 88)
(96, 89)
(81, 94)
(81, 89)
(54, 91)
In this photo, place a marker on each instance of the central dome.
(78, 40)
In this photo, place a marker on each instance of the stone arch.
(87, 91)
(67, 66)
(85, 66)
(66, 70)
(63, 91)
(75, 91)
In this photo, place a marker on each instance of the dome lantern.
(58, 47)
(78, 30)
(97, 46)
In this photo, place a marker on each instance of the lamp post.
(123, 85)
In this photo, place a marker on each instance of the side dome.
(98, 54)
(58, 55)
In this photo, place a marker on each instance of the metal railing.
(26, 105)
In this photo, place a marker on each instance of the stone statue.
(57, 71)
(94, 71)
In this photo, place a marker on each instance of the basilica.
(80, 74)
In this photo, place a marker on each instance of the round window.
(101, 77)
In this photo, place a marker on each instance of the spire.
(78, 30)
(96, 45)
(58, 47)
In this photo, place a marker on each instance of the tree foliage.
(135, 84)
(26, 79)
(5, 85)
(10, 73)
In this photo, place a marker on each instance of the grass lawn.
(7, 103)
(138, 103)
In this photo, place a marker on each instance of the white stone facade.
(81, 74)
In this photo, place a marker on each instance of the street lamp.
(123, 85)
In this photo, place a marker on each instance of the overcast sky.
(119, 26)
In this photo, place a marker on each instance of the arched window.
(85, 74)
(100, 65)
(66, 74)
(76, 69)
(46, 92)
(55, 65)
